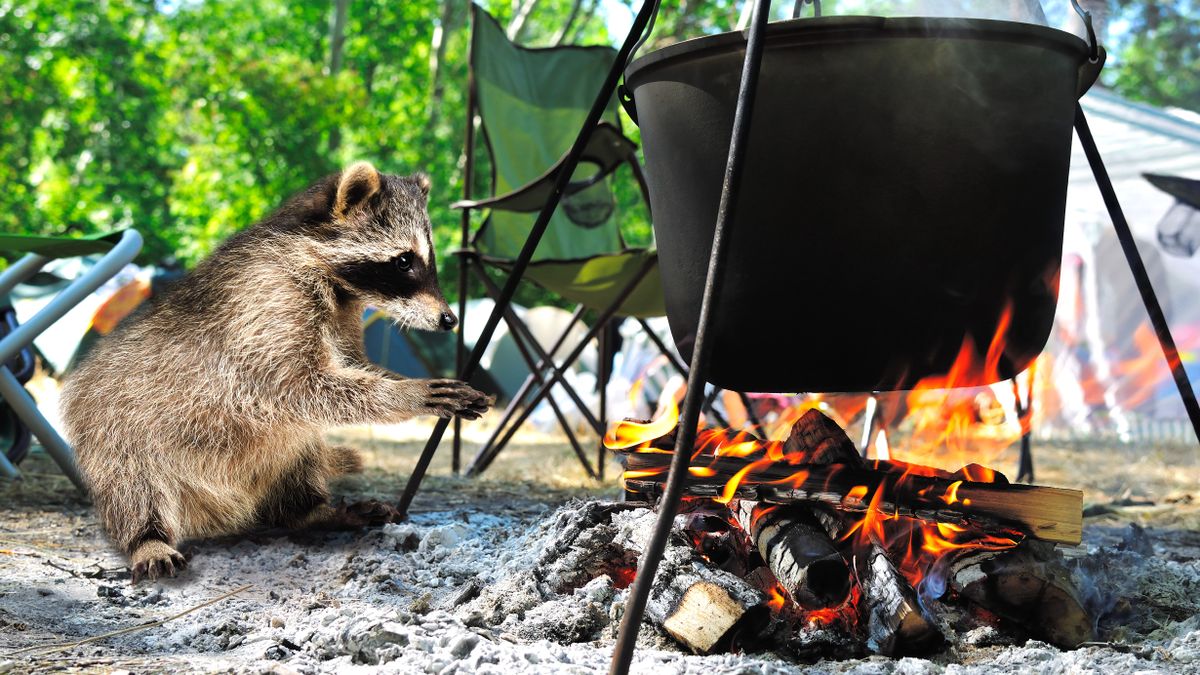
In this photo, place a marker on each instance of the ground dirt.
(461, 587)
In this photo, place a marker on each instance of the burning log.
(1030, 587)
(801, 555)
(896, 623)
(703, 608)
(1047, 513)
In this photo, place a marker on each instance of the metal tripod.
(693, 400)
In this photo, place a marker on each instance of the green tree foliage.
(1158, 59)
(190, 119)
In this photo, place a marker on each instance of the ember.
(864, 546)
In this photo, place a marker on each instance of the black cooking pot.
(905, 183)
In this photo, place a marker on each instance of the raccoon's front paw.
(154, 560)
(453, 398)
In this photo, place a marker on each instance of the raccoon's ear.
(356, 184)
(423, 182)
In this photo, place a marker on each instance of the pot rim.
(855, 28)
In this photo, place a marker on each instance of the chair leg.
(26, 408)
(558, 372)
(492, 448)
(754, 419)
(869, 415)
(520, 331)
(602, 385)
(7, 468)
(514, 405)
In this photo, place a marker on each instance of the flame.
(945, 424)
(776, 598)
(628, 434)
(951, 495)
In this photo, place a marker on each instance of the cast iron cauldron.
(904, 184)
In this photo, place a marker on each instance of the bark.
(798, 552)
(437, 59)
(896, 623)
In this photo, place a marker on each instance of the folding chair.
(531, 104)
(119, 248)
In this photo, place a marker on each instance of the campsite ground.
(399, 598)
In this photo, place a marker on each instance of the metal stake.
(570, 162)
(1140, 277)
(635, 606)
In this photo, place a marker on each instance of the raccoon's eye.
(404, 262)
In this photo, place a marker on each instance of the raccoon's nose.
(448, 321)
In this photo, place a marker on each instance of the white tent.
(1106, 374)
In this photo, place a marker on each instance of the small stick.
(131, 629)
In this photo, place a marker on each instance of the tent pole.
(1157, 319)
(570, 162)
(635, 605)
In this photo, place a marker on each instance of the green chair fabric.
(59, 247)
(595, 281)
(532, 103)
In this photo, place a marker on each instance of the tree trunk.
(516, 27)
(337, 43)
(437, 58)
(561, 36)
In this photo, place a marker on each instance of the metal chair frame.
(121, 254)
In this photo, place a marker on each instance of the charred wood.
(1030, 587)
(798, 552)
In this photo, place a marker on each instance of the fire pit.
(904, 189)
(810, 530)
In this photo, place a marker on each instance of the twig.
(131, 629)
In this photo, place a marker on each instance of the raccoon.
(202, 415)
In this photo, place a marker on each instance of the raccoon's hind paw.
(154, 560)
(452, 398)
(354, 515)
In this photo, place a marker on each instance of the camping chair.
(531, 104)
(119, 249)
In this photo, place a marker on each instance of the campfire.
(792, 538)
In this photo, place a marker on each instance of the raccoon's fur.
(202, 414)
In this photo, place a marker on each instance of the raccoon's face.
(381, 249)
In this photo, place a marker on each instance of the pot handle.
(1089, 72)
(626, 99)
(1094, 49)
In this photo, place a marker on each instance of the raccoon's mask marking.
(404, 276)
(383, 252)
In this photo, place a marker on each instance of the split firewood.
(897, 624)
(1029, 586)
(798, 552)
(702, 607)
(1050, 514)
